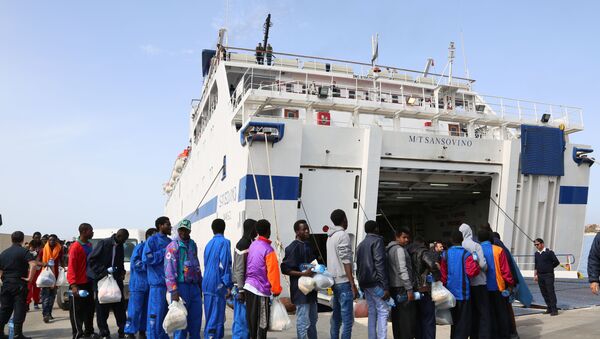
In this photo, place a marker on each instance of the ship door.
(323, 190)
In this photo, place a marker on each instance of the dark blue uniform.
(14, 263)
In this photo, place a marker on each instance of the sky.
(95, 95)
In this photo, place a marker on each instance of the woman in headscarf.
(240, 325)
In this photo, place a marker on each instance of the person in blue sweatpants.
(184, 278)
(137, 308)
(153, 257)
(217, 282)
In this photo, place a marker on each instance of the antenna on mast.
(226, 40)
(462, 46)
(451, 50)
(266, 27)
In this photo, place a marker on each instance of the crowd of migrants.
(396, 281)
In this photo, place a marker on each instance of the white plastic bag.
(279, 320)
(62, 277)
(176, 318)
(306, 284)
(439, 293)
(443, 317)
(323, 281)
(446, 304)
(108, 290)
(46, 278)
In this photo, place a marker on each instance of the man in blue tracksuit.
(217, 282)
(138, 292)
(153, 257)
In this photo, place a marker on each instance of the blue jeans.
(306, 321)
(48, 295)
(378, 313)
(343, 311)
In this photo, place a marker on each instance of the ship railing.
(527, 261)
(505, 109)
(333, 67)
(527, 111)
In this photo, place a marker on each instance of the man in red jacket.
(82, 299)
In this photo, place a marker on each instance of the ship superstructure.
(285, 137)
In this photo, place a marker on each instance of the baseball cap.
(185, 224)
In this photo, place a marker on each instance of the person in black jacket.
(594, 265)
(17, 267)
(425, 264)
(298, 256)
(373, 280)
(108, 257)
(545, 262)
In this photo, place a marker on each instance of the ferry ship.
(285, 136)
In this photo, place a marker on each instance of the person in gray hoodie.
(339, 264)
(481, 318)
(402, 282)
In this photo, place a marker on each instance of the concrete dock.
(572, 324)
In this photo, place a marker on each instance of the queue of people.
(396, 280)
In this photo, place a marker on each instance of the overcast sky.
(95, 96)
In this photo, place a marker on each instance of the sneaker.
(46, 319)
(547, 311)
(51, 317)
(554, 313)
(36, 306)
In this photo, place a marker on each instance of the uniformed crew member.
(17, 268)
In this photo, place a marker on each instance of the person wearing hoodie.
(262, 280)
(481, 324)
(499, 280)
(240, 325)
(372, 279)
(339, 264)
(402, 282)
(457, 268)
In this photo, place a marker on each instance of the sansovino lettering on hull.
(419, 139)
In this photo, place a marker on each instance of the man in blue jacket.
(373, 279)
(137, 309)
(217, 282)
(153, 257)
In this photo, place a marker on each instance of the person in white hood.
(481, 320)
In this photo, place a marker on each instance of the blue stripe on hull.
(284, 187)
(209, 208)
(573, 195)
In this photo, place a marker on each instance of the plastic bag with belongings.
(279, 320)
(443, 317)
(176, 318)
(61, 280)
(108, 290)
(306, 284)
(323, 281)
(46, 278)
(440, 294)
